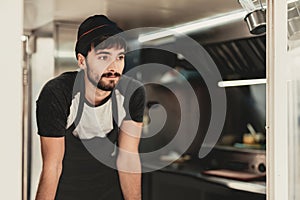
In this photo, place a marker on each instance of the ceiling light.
(193, 26)
(241, 82)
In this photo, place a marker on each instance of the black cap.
(93, 28)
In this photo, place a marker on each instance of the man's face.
(104, 67)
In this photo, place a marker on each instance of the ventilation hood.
(240, 59)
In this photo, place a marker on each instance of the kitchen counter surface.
(194, 168)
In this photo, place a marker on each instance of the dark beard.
(101, 84)
(106, 87)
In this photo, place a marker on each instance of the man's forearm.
(130, 177)
(131, 185)
(48, 184)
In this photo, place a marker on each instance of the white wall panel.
(11, 20)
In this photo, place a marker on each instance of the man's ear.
(81, 61)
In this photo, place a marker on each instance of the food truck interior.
(235, 165)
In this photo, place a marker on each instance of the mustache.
(109, 74)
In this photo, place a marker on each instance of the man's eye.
(102, 57)
(121, 57)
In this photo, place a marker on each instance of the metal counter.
(194, 169)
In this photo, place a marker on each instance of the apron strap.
(78, 115)
(115, 108)
(113, 135)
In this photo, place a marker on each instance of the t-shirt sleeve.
(137, 105)
(50, 113)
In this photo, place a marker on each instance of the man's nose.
(113, 66)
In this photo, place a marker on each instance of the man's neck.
(93, 94)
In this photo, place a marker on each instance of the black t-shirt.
(90, 133)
